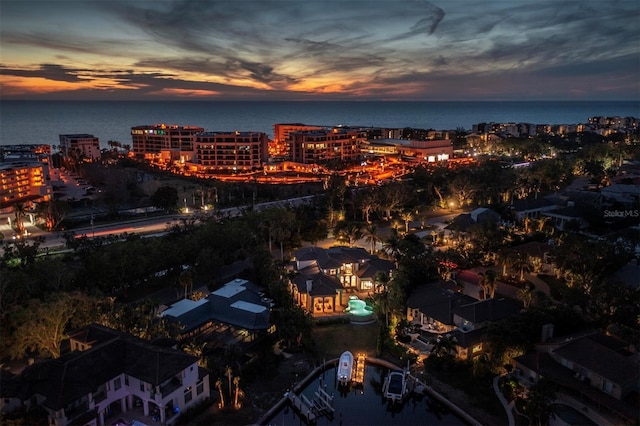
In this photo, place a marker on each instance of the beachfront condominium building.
(23, 182)
(164, 142)
(281, 143)
(319, 146)
(241, 151)
(80, 147)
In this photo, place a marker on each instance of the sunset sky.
(320, 50)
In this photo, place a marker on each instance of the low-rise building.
(239, 304)
(79, 147)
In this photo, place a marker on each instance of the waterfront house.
(107, 373)
(325, 278)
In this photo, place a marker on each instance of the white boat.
(395, 386)
(345, 368)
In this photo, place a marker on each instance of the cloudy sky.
(320, 49)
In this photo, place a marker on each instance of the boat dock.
(358, 373)
(312, 409)
(302, 407)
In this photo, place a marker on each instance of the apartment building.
(109, 372)
(163, 142)
(231, 151)
(80, 147)
(280, 145)
(318, 146)
(22, 182)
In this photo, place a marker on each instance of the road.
(150, 226)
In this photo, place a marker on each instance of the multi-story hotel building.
(242, 151)
(80, 146)
(319, 146)
(22, 182)
(281, 144)
(162, 142)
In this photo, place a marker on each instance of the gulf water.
(40, 122)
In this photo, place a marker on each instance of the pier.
(302, 407)
(358, 373)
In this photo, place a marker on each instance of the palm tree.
(371, 236)
(391, 245)
(443, 347)
(505, 258)
(522, 264)
(525, 294)
(488, 283)
(186, 281)
(19, 210)
(219, 386)
(407, 217)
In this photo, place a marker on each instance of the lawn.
(333, 339)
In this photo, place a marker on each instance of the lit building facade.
(428, 151)
(281, 144)
(22, 182)
(80, 146)
(318, 146)
(164, 142)
(242, 151)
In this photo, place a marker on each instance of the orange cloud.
(38, 85)
(186, 92)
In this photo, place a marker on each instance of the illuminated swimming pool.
(359, 310)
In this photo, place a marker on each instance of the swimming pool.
(569, 416)
(359, 311)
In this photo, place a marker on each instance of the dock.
(302, 407)
(358, 373)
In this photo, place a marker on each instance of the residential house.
(622, 194)
(239, 304)
(109, 372)
(472, 318)
(326, 277)
(538, 254)
(463, 223)
(439, 310)
(596, 366)
(531, 207)
(566, 217)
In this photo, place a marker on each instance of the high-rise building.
(230, 150)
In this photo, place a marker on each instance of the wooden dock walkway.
(302, 407)
(358, 373)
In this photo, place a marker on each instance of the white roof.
(248, 306)
(231, 288)
(183, 306)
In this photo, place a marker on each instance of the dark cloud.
(411, 48)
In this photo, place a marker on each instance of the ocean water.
(40, 122)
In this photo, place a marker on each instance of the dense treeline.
(112, 273)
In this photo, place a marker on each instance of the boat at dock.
(345, 368)
(395, 386)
